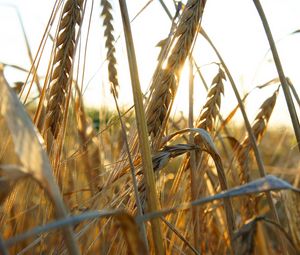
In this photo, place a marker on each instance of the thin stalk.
(36, 78)
(40, 111)
(61, 213)
(182, 238)
(166, 9)
(193, 168)
(256, 151)
(133, 176)
(149, 178)
(283, 80)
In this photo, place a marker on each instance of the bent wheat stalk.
(283, 80)
(243, 152)
(256, 151)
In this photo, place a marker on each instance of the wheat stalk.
(254, 146)
(206, 121)
(244, 150)
(282, 77)
(142, 130)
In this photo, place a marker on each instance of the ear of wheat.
(259, 127)
(212, 106)
(62, 65)
(109, 44)
(244, 151)
(165, 82)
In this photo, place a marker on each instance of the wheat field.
(144, 179)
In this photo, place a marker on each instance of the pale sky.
(233, 25)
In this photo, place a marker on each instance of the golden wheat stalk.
(142, 130)
(282, 77)
(244, 151)
(109, 44)
(62, 65)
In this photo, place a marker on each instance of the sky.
(233, 25)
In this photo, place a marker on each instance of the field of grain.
(144, 179)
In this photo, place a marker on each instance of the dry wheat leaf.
(72, 220)
(29, 147)
(27, 141)
(268, 183)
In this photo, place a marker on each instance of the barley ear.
(109, 44)
(62, 65)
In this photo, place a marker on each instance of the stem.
(294, 91)
(132, 171)
(194, 183)
(149, 178)
(283, 80)
(36, 78)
